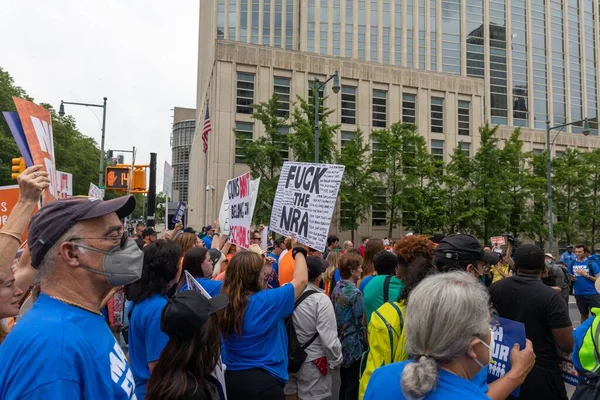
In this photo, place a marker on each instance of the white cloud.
(141, 54)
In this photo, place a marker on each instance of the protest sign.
(9, 196)
(507, 333)
(95, 192)
(37, 125)
(499, 240)
(567, 369)
(168, 179)
(179, 211)
(240, 216)
(16, 128)
(65, 184)
(305, 200)
(224, 211)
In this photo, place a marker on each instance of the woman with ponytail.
(449, 340)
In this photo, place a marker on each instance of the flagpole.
(205, 185)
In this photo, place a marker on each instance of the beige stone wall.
(183, 114)
(266, 62)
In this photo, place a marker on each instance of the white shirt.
(316, 314)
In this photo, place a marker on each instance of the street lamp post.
(586, 131)
(61, 112)
(336, 89)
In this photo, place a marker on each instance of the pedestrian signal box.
(118, 178)
(18, 166)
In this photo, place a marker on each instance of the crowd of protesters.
(407, 319)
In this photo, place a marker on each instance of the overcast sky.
(141, 54)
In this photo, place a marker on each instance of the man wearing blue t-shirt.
(585, 271)
(62, 348)
(568, 256)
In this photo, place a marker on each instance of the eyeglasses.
(122, 239)
(255, 238)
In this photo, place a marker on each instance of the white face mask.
(490, 348)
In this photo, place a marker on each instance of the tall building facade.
(184, 124)
(447, 65)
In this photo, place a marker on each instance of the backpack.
(387, 341)
(296, 351)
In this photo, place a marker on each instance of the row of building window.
(348, 109)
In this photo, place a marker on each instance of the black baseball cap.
(316, 266)
(464, 247)
(186, 312)
(54, 219)
(189, 229)
(148, 232)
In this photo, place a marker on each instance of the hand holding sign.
(31, 183)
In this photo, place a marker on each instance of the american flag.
(206, 129)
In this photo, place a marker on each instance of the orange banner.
(9, 196)
(37, 124)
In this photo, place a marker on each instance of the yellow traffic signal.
(18, 166)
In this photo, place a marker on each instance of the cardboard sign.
(499, 240)
(16, 128)
(64, 181)
(9, 196)
(240, 216)
(506, 335)
(168, 179)
(305, 200)
(95, 192)
(179, 211)
(567, 369)
(37, 125)
(224, 211)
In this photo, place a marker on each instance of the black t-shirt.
(539, 307)
(196, 391)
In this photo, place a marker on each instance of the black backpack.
(296, 351)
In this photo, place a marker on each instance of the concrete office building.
(431, 62)
(184, 123)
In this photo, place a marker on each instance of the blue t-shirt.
(583, 286)
(567, 257)
(276, 263)
(364, 282)
(385, 384)
(58, 351)
(207, 241)
(211, 286)
(146, 339)
(264, 340)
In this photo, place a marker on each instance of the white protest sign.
(305, 200)
(240, 218)
(224, 211)
(95, 192)
(64, 184)
(168, 179)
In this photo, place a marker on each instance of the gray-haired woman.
(449, 339)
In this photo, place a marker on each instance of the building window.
(537, 152)
(244, 21)
(245, 93)
(289, 24)
(498, 68)
(559, 154)
(281, 87)
(346, 213)
(255, 14)
(243, 132)
(451, 52)
(221, 20)
(465, 148)
(346, 136)
(464, 118)
(379, 108)
(437, 115)
(437, 151)
(475, 27)
(284, 148)
(378, 210)
(520, 97)
(267, 22)
(409, 108)
(232, 19)
(278, 23)
(348, 105)
(540, 63)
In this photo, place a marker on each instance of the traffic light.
(139, 180)
(18, 166)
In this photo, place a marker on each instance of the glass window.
(520, 68)
(498, 72)
(346, 136)
(475, 29)
(374, 44)
(465, 148)
(323, 38)
(559, 154)
(243, 21)
(245, 93)
(232, 20)
(289, 24)
(281, 87)
(255, 15)
(361, 42)
(410, 10)
(437, 151)
(379, 108)
(464, 118)
(539, 67)
(558, 61)
(575, 65)
(378, 212)
(590, 60)
(409, 105)
(284, 148)
(433, 35)
(310, 37)
(221, 19)
(386, 45)
(243, 132)
(422, 34)
(278, 23)
(398, 32)
(336, 39)
(266, 22)
(348, 105)
(437, 115)
(349, 40)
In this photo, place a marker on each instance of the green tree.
(457, 195)
(394, 154)
(302, 136)
(535, 217)
(264, 155)
(590, 223)
(358, 185)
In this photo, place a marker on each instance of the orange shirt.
(286, 268)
